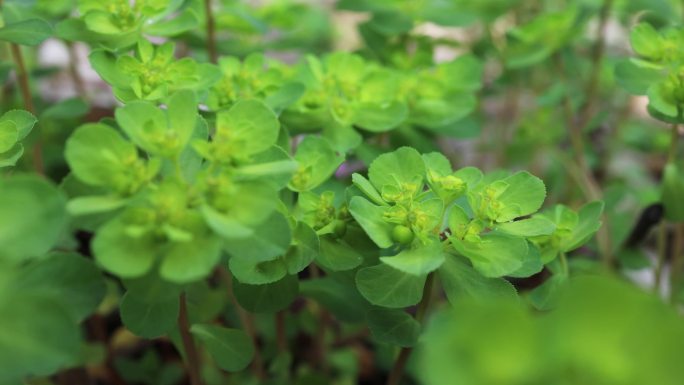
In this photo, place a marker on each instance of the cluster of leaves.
(596, 336)
(44, 296)
(429, 217)
(657, 72)
(120, 24)
(342, 92)
(217, 182)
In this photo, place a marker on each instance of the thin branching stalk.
(400, 364)
(191, 355)
(211, 32)
(25, 89)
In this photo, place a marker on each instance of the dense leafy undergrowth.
(436, 192)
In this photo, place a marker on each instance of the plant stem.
(281, 337)
(25, 89)
(597, 55)
(662, 256)
(591, 186)
(677, 261)
(564, 264)
(247, 323)
(400, 364)
(79, 84)
(191, 356)
(211, 32)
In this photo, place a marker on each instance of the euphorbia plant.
(300, 217)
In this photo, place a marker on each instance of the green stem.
(191, 356)
(211, 32)
(662, 257)
(677, 261)
(25, 89)
(247, 323)
(564, 264)
(400, 364)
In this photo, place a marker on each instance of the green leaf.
(193, 260)
(268, 298)
(317, 162)
(397, 168)
(385, 286)
(636, 76)
(144, 124)
(38, 335)
(589, 222)
(8, 135)
(32, 216)
(149, 318)
(254, 272)
(94, 204)
(545, 296)
(495, 255)
(26, 32)
(305, 249)
(646, 41)
(337, 293)
(10, 158)
(99, 156)
(395, 327)
(375, 117)
(70, 278)
(529, 227)
(231, 349)
(249, 127)
(121, 254)
(525, 195)
(460, 280)
(337, 255)
(367, 188)
(183, 22)
(270, 239)
(370, 217)
(418, 261)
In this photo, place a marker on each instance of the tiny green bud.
(402, 234)
(339, 228)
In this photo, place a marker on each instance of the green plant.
(230, 200)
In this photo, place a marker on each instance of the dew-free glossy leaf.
(385, 286)
(26, 32)
(268, 298)
(231, 349)
(418, 261)
(392, 326)
(460, 280)
(32, 216)
(122, 254)
(402, 166)
(495, 255)
(370, 217)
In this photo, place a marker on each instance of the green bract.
(657, 72)
(119, 24)
(424, 213)
(153, 74)
(192, 197)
